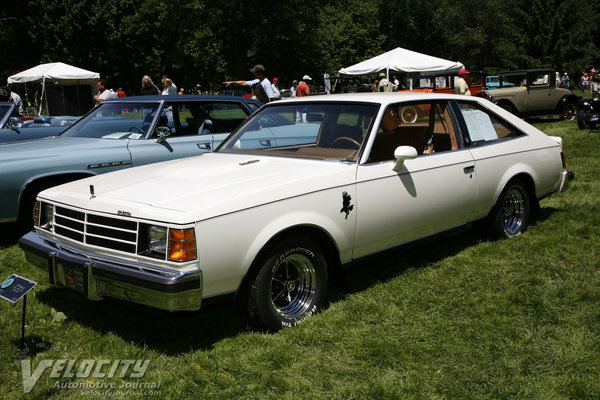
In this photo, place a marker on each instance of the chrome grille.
(96, 230)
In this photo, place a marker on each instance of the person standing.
(293, 88)
(565, 80)
(384, 84)
(303, 90)
(259, 77)
(168, 87)
(585, 82)
(275, 87)
(103, 92)
(460, 84)
(15, 98)
(148, 87)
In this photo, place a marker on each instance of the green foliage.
(207, 42)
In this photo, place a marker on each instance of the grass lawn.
(458, 318)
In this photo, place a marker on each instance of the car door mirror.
(162, 132)
(403, 153)
(14, 123)
(205, 127)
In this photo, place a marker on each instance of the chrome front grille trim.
(103, 231)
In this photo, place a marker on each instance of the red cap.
(463, 72)
(275, 79)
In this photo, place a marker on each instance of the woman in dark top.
(148, 87)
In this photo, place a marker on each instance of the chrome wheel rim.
(569, 112)
(293, 286)
(513, 209)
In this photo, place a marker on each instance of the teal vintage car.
(114, 135)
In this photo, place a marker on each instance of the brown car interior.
(431, 131)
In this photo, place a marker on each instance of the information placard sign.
(15, 287)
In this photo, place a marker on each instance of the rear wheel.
(569, 111)
(289, 286)
(510, 216)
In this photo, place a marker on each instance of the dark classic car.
(533, 93)
(12, 128)
(588, 112)
(116, 134)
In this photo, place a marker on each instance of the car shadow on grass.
(183, 332)
(361, 275)
(9, 234)
(170, 333)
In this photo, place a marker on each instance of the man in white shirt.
(103, 92)
(259, 75)
(168, 87)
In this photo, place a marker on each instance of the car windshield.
(328, 131)
(115, 120)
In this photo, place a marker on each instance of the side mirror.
(403, 153)
(163, 132)
(14, 123)
(205, 127)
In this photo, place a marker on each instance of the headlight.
(157, 239)
(167, 243)
(43, 215)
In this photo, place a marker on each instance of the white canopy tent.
(401, 60)
(57, 73)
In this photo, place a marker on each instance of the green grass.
(458, 318)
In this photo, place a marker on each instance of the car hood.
(200, 187)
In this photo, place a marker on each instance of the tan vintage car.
(533, 93)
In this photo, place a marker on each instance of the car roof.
(525, 71)
(382, 98)
(446, 73)
(184, 97)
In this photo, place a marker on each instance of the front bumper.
(97, 276)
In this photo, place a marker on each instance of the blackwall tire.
(289, 286)
(569, 112)
(510, 216)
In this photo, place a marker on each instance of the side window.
(484, 127)
(198, 118)
(540, 79)
(428, 127)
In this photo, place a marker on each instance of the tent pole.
(42, 98)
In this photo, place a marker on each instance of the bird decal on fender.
(346, 206)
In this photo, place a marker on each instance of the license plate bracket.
(71, 276)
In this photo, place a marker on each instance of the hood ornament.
(92, 192)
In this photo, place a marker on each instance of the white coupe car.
(303, 187)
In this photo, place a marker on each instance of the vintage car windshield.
(114, 120)
(333, 131)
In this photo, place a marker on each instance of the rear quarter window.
(484, 126)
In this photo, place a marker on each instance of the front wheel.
(510, 215)
(289, 286)
(580, 123)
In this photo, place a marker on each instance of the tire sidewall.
(262, 314)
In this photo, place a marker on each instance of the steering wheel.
(347, 139)
(136, 129)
